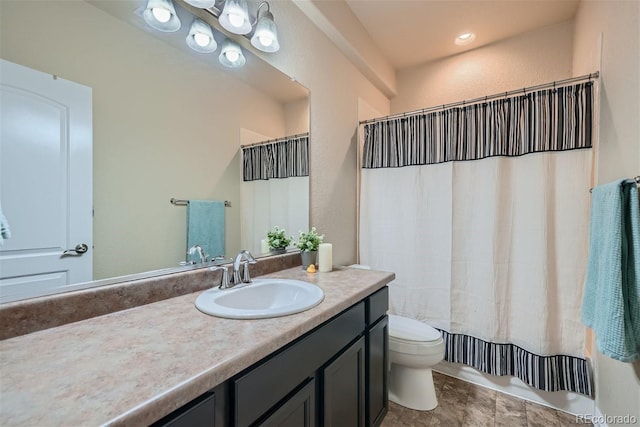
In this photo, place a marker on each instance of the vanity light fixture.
(200, 37)
(265, 36)
(161, 15)
(465, 38)
(235, 17)
(231, 55)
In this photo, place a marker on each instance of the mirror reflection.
(167, 122)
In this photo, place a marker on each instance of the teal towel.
(205, 227)
(611, 304)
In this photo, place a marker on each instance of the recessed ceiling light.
(465, 38)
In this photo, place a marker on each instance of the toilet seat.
(411, 336)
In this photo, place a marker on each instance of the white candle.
(264, 246)
(325, 257)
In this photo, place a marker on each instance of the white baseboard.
(573, 403)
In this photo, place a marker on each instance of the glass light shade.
(161, 15)
(202, 4)
(200, 37)
(231, 54)
(265, 37)
(235, 17)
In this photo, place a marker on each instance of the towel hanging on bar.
(206, 227)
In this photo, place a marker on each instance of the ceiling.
(411, 32)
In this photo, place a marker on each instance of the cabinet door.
(297, 411)
(377, 372)
(344, 383)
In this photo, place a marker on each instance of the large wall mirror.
(167, 122)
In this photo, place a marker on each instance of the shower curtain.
(482, 213)
(275, 189)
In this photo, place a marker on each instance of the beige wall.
(165, 125)
(532, 58)
(296, 115)
(607, 37)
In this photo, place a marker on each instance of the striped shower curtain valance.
(281, 159)
(547, 120)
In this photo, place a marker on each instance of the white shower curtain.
(492, 251)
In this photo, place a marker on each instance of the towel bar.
(179, 202)
(635, 179)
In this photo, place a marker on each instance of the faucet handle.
(224, 282)
(246, 278)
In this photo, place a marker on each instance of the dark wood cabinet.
(343, 384)
(335, 375)
(297, 411)
(199, 412)
(377, 372)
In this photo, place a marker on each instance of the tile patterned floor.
(462, 404)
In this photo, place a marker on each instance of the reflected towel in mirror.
(205, 227)
(5, 231)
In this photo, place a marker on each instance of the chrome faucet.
(224, 282)
(249, 259)
(198, 249)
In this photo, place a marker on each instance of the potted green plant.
(308, 243)
(278, 240)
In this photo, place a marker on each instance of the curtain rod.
(273, 141)
(524, 90)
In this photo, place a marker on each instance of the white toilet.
(414, 348)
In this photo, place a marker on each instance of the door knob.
(78, 250)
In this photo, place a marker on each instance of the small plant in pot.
(308, 243)
(278, 240)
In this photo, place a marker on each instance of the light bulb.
(232, 55)
(266, 40)
(465, 38)
(161, 14)
(201, 39)
(236, 19)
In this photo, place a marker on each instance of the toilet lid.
(411, 329)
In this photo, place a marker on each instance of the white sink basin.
(260, 299)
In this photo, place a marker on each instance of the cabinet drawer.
(199, 413)
(377, 305)
(261, 387)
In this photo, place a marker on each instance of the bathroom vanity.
(168, 364)
(335, 375)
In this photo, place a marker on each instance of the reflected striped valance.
(546, 120)
(283, 158)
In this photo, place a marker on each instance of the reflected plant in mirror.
(157, 106)
(278, 240)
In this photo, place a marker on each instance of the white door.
(46, 182)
